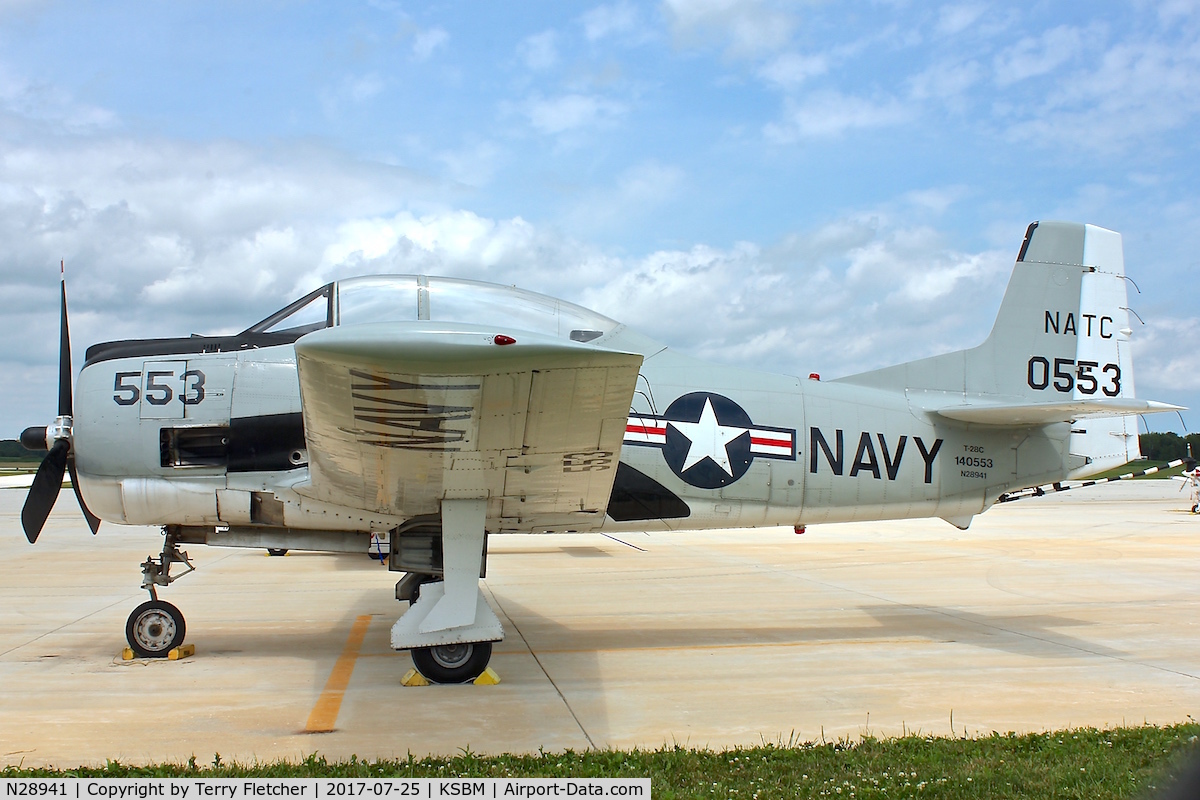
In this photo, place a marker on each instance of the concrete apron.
(1069, 610)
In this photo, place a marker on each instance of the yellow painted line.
(325, 712)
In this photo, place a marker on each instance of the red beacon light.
(502, 340)
(814, 376)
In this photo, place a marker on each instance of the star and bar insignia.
(709, 440)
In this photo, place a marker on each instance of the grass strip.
(1081, 763)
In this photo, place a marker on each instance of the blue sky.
(804, 186)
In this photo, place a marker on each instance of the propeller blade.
(64, 358)
(44, 491)
(92, 520)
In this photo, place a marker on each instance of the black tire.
(154, 629)
(453, 663)
(277, 551)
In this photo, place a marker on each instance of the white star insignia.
(709, 439)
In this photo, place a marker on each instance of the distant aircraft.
(433, 412)
(1191, 479)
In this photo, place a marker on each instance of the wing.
(399, 416)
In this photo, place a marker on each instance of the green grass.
(1138, 466)
(1084, 763)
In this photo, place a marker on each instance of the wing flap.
(399, 417)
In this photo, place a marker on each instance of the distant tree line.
(1169, 446)
(12, 450)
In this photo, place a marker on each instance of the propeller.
(58, 439)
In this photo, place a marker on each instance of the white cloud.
(473, 164)
(1139, 89)
(789, 70)
(829, 114)
(1166, 357)
(1171, 11)
(609, 20)
(957, 17)
(636, 192)
(747, 28)
(852, 295)
(364, 87)
(190, 237)
(427, 41)
(571, 112)
(1031, 56)
(945, 81)
(42, 101)
(937, 200)
(539, 51)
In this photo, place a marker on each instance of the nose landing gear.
(156, 627)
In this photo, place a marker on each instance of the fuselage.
(217, 438)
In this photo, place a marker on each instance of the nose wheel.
(154, 629)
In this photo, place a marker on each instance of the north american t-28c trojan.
(418, 415)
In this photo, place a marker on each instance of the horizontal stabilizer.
(1047, 413)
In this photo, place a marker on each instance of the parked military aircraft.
(425, 414)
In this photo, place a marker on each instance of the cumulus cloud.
(1165, 362)
(746, 28)
(1033, 56)
(637, 191)
(44, 102)
(957, 17)
(610, 20)
(789, 70)
(1138, 90)
(539, 51)
(571, 112)
(427, 41)
(852, 295)
(175, 236)
(945, 81)
(172, 238)
(828, 114)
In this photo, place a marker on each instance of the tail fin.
(1059, 351)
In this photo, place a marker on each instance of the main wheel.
(277, 551)
(452, 663)
(154, 629)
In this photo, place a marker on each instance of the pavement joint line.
(542, 667)
(17, 647)
(14, 648)
(324, 714)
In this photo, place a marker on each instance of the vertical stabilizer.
(1062, 334)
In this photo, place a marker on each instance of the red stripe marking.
(645, 429)
(770, 442)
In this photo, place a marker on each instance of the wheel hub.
(154, 629)
(451, 655)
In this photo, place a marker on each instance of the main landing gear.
(156, 627)
(452, 663)
(449, 627)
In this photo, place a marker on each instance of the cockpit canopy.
(410, 298)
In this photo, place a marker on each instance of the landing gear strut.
(156, 627)
(449, 626)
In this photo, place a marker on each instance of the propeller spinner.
(56, 438)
